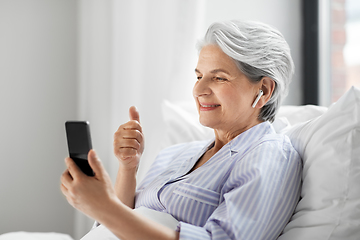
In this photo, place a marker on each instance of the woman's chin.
(206, 123)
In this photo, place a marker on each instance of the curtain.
(133, 53)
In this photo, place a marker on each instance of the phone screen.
(79, 144)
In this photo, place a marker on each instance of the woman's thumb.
(95, 163)
(134, 113)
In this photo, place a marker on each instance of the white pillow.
(182, 123)
(330, 148)
(291, 115)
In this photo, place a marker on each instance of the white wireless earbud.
(257, 98)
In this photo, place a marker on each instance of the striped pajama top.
(247, 190)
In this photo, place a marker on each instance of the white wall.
(37, 94)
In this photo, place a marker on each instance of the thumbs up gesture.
(129, 141)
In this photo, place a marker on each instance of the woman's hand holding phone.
(90, 195)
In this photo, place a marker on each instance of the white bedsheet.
(34, 236)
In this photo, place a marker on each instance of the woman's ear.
(267, 86)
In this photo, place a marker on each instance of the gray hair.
(259, 50)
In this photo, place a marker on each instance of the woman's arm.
(128, 148)
(125, 186)
(127, 224)
(96, 198)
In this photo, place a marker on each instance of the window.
(331, 49)
(345, 46)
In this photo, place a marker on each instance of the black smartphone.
(79, 144)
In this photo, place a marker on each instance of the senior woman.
(243, 184)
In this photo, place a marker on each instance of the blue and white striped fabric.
(247, 190)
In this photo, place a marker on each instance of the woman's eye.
(198, 78)
(220, 79)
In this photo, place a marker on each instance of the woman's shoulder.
(276, 141)
(269, 144)
(272, 152)
(259, 138)
(277, 149)
(268, 136)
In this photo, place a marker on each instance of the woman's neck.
(222, 137)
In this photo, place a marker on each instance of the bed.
(328, 140)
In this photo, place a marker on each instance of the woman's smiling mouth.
(208, 106)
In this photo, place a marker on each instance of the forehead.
(212, 57)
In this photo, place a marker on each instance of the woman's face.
(223, 94)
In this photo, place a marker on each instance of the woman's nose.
(202, 87)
